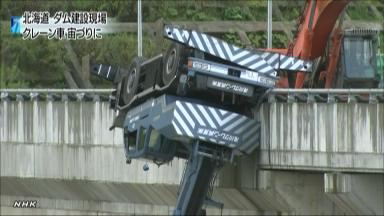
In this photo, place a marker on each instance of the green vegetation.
(258, 39)
(361, 13)
(290, 13)
(31, 63)
(260, 13)
(41, 62)
(233, 38)
(236, 13)
(280, 40)
(381, 39)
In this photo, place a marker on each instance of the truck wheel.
(118, 85)
(171, 63)
(131, 81)
(118, 93)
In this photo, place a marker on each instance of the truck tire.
(119, 100)
(131, 81)
(171, 63)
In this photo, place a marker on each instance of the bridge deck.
(328, 130)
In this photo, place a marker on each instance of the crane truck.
(191, 103)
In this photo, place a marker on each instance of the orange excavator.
(357, 46)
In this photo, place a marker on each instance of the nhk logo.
(25, 204)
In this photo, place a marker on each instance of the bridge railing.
(327, 95)
(56, 94)
(276, 95)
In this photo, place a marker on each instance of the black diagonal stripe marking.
(247, 128)
(231, 121)
(222, 116)
(186, 121)
(255, 61)
(185, 38)
(221, 44)
(235, 52)
(261, 67)
(214, 120)
(208, 43)
(218, 47)
(235, 119)
(213, 47)
(201, 115)
(270, 55)
(266, 57)
(177, 123)
(272, 64)
(254, 141)
(254, 128)
(195, 116)
(193, 39)
(237, 61)
(203, 42)
(283, 59)
(249, 140)
(174, 35)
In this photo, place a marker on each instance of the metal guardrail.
(330, 91)
(327, 95)
(56, 94)
(99, 91)
(276, 95)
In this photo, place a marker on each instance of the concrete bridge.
(321, 152)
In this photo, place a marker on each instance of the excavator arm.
(314, 30)
(319, 20)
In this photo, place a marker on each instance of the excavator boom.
(315, 28)
(319, 19)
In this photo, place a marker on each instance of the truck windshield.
(359, 58)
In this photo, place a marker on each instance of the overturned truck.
(194, 103)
